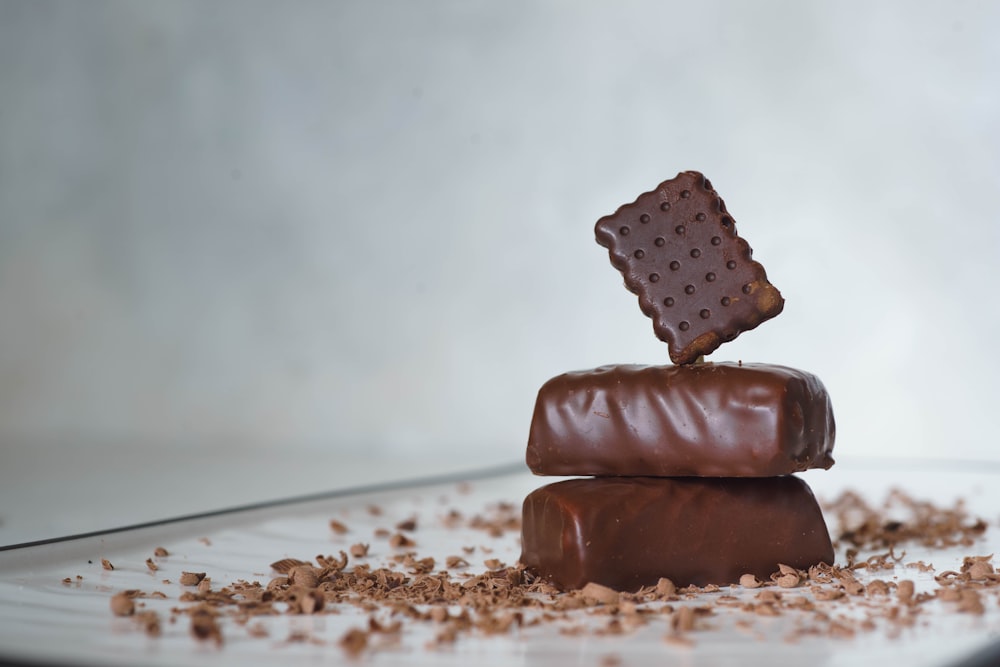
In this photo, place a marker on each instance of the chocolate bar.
(628, 532)
(677, 249)
(704, 420)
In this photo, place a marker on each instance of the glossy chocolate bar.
(677, 249)
(628, 532)
(704, 420)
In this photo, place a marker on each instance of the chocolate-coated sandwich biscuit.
(707, 420)
(677, 248)
(628, 532)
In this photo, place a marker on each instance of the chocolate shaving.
(122, 604)
(191, 578)
(837, 601)
(409, 525)
(865, 526)
(285, 565)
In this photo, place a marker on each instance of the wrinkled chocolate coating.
(706, 420)
(628, 532)
(677, 249)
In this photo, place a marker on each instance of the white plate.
(45, 620)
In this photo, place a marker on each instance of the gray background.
(366, 227)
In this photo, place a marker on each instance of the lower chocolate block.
(628, 532)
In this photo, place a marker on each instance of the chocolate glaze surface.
(628, 532)
(677, 249)
(707, 420)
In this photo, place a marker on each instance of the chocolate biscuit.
(678, 250)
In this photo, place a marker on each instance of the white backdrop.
(368, 226)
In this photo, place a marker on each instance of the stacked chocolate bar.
(688, 467)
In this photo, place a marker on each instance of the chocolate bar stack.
(686, 469)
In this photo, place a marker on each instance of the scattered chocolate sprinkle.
(354, 642)
(600, 594)
(151, 565)
(683, 620)
(499, 519)
(122, 604)
(338, 527)
(787, 576)
(665, 588)
(191, 578)
(305, 576)
(106, 564)
(865, 526)
(679, 641)
(400, 541)
(149, 621)
(841, 600)
(204, 625)
(285, 565)
(904, 590)
(160, 552)
(331, 563)
(408, 525)
(258, 630)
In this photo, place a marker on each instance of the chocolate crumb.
(106, 564)
(285, 565)
(354, 642)
(402, 588)
(160, 552)
(338, 527)
(204, 625)
(904, 590)
(303, 575)
(122, 604)
(257, 630)
(151, 565)
(409, 525)
(877, 587)
(599, 594)
(359, 550)
(665, 588)
(679, 641)
(400, 541)
(150, 623)
(191, 578)
(683, 620)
